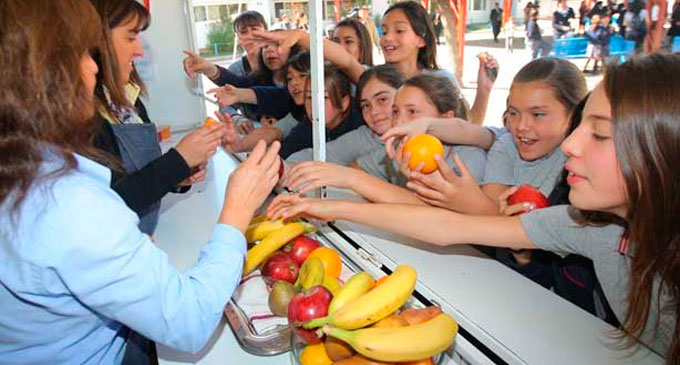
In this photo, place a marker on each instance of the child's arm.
(307, 176)
(449, 130)
(444, 188)
(433, 225)
(485, 82)
(332, 51)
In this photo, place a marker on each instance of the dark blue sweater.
(301, 136)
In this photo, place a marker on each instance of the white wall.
(170, 100)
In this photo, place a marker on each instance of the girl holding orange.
(542, 97)
(379, 177)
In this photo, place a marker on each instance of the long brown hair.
(646, 113)
(42, 96)
(365, 43)
(421, 23)
(114, 13)
(563, 77)
(442, 94)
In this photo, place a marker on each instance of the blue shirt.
(75, 270)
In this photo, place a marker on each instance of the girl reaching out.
(354, 38)
(376, 89)
(380, 179)
(408, 42)
(622, 162)
(542, 97)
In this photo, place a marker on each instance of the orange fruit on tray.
(209, 121)
(315, 355)
(332, 264)
(423, 148)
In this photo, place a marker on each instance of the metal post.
(317, 80)
(233, 53)
(317, 83)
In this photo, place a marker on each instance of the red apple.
(528, 194)
(300, 247)
(307, 306)
(280, 266)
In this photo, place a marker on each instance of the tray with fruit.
(292, 280)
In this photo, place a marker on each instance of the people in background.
(438, 25)
(355, 39)
(367, 21)
(674, 30)
(656, 20)
(635, 24)
(496, 18)
(582, 16)
(509, 35)
(599, 35)
(561, 20)
(527, 13)
(539, 46)
(284, 23)
(302, 21)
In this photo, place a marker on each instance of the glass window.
(213, 12)
(200, 14)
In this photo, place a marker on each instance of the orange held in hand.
(332, 264)
(423, 148)
(209, 121)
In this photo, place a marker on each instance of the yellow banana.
(272, 242)
(357, 285)
(374, 305)
(310, 274)
(331, 284)
(410, 343)
(259, 219)
(258, 231)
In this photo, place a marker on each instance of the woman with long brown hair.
(126, 132)
(71, 282)
(623, 172)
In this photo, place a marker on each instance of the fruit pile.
(290, 262)
(355, 323)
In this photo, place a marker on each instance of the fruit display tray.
(257, 330)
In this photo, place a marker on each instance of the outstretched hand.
(226, 95)
(194, 63)
(403, 132)
(288, 206)
(443, 187)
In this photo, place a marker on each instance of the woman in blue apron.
(125, 129)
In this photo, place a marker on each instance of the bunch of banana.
(310, 274)
(410, 343)
(272, 242)
(374, 305)
(356, 286)
(258, 231)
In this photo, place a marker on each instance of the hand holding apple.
(522, 200)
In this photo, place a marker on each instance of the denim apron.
(138, 144)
